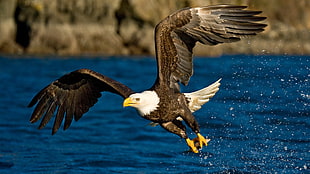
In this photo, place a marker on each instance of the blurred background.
(125, 27)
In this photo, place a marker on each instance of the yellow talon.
(191, 144)
(201, 141)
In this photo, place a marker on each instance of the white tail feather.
(198, 98)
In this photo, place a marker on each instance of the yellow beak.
(128, 102)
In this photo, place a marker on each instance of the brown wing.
(72, 95)
(176, 36)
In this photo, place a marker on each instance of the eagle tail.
(197, 98)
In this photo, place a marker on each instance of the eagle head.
(145, 102)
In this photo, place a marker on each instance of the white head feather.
(144, 102)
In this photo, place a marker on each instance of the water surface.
(258, 121)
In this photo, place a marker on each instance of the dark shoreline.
(123, 27)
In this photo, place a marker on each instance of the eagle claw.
(191, 145)
(200, 141)
(197, 143)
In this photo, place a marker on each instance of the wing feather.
(59, 118)
(71, 96)
(48, 114)
(176, 36)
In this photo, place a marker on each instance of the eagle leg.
(200, 141)
(178, 128)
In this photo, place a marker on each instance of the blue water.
(258, 122)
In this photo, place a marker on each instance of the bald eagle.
(73, 94)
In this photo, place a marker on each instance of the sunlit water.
(258, 121)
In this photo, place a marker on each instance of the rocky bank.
(125, 27)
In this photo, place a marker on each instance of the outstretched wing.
(72, 95)
(176, 36)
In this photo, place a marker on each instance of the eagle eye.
(137, 99)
